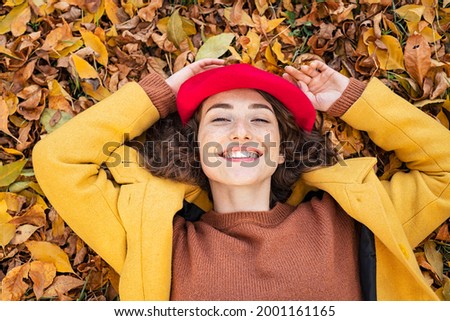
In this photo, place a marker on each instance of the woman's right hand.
(178, 78)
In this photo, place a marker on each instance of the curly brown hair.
(171, 151)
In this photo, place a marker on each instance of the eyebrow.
(228, 106)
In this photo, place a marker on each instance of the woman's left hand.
(322, 84)
(178, 78)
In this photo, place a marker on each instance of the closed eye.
(220, 119)
(260, 120)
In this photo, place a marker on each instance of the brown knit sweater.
(304, 253)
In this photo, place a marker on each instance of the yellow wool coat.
(128, 220)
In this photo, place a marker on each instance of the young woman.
(222, 208)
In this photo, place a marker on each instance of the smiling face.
(239, 139)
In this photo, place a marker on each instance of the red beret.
(205, 84)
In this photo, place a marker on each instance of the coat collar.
(349, 171)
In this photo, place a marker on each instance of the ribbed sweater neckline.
(273, 216)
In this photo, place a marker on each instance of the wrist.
(160, 93)
(349, 96)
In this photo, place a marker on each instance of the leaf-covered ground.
(57, 58)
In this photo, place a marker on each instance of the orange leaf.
(42, 274)
(13, 286)
(111, 11)
(48, 252)
(148, 13)
(56, 37)
(34, 216)
(417, 57)
(4, 114)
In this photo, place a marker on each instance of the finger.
(297, 75)
(210, 61)
(319, 65)
(289, 78)
(309, 71)
(304, 87)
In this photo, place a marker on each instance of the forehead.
(234, 97)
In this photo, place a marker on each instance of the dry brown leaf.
(34, 215)
(417, 57)
(443, 233)
(61, 285)
(13, 286)
(42, 274)
(442, 83)
(434, 257)
(23, 233)
(22, 75)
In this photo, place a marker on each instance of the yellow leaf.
(48, 252)
(13, 201)
(19, 23)
(8, 52)
(175, 31)
(55, 89)
(83, 68)
(262, 6)
(443, 119)
(234, 53)
(4, 216)
(277, 50)
(430, 34)
(98, 93)
(13, 287)
(77, 43)
(94, 42)
(389, 58)
(42, 275)
(215, 46)
(6, 23)
(411, 12)
(269, 56)
(272, 24)
(13, 3)
(254, 44)
(10, 172)
(111, 11)
(7, 232)
(162, 24)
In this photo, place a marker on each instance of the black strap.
(190, 211)
(367, 264)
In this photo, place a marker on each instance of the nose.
(240, 131)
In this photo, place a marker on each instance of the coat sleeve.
(68, 161)
(421, 196)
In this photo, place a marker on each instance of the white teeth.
(241, 154)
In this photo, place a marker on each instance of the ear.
(281, 159)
